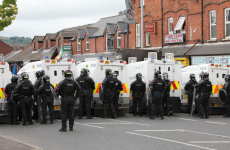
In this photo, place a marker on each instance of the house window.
(227, 22)
(147, 39)
(59, 42)
(87, 43)
(118, 39)
(46, 44)
(138, 41)
(78, 44)
(170, 25)
(180, 26)
(107, 34)
(143, 2)
(213, 24)
(35, 45)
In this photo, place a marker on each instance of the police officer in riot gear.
(67, 88)
(227, 89)
(109, 91)
(166, 94)
(47, 99)
(25, 90)
(205, 89)
(138, 88)
(118, 88)
(189, 88)
(157, 86)
(12, 101)
(87, 86)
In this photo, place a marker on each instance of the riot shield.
(223, 96)
(40, 116)
(54, 95)
(101, 93)
(193, 100)
(150, 97)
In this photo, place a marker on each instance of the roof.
(77, 28)
(211, 49)
(12, 54)
(67, 34)
(177, 50)
(38, 38)
(111, 28)
(51, 36)
(102, 24)
(16, 47)
(81, 33)
(28, 55)
(122, 26)
(91, 30)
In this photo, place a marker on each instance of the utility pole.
(142, 25)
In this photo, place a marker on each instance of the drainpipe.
(202, 25)
(162, 24)
(81, 47)
(127, 36)
(95, 45)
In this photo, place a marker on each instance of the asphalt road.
(178, 132)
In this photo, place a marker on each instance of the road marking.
(130, 122)
(170, 140)
(36, 148)
(89, 125)
(155, 130)
(109, 123)
(188, 119)
(215, 122)
(203, 133)
(211, 142)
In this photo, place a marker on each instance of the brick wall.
(38, 45)
(5, 48)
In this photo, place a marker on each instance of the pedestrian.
(118, 89)
(189, 88)
(166, 93)
(205, 88)
(47, 97)
(25, 90)
(227, 89)
(109, 91)
(138, 88)
(157, 87)
(87, 87)
(12, 101)
(66, 89)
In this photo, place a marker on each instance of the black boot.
(104, 116)
(80, 117)
(11, 123)
(16, 123)
(134, 115)
(152, 117)
(63, 129)
(30, 122)
(207, 117)
(24, 123)
(226, 116)
(114, 116)
(168, 115)
(44, 122)
(89, 117)
(71, 128)
(162, 117)
(51, 121)
(202, 116)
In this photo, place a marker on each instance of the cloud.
(38, 17)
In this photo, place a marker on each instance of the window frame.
(78, 44)
(225, 12)
(170, 32)
(211, 24)
(106, 42)
(47, 44)
(118, 38)
(86, 43)
(138, 36)
(35, 45)
(147, 44)
(59, 42)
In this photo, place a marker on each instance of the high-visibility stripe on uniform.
(216, 88)
(175, 85)
(124, 86)
(2, 94)
(55, 86)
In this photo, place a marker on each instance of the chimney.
(22, 48)
(30, 43)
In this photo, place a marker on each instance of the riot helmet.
(25, 76)
(115, 74)
(227, 77)
(201, 75)
(192, 77)
(14, 79)
(108, 71)
(165, 76)
(139, 76)
(46, 79)
(206, 75)
(42, 73)
(38, 74)
(88, 72)
(68, 74)
(158, 74)
(84, 72)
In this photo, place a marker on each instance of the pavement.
(178, 132)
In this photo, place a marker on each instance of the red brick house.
(49, 40)
(5, 48)
(37, 43)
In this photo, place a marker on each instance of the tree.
(8, 12)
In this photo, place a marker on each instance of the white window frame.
(87, 43)
(78, 44)
(181, 31)
(118, 38)
(211, 24)
(138, 35)
(169, 19)
(147, 43)
(143, 2)
(226, 22)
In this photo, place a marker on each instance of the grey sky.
(38, 17)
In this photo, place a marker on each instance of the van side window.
(160, 68)
(168, 68)
(217, 75)
(55, 72)
(223, 75)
